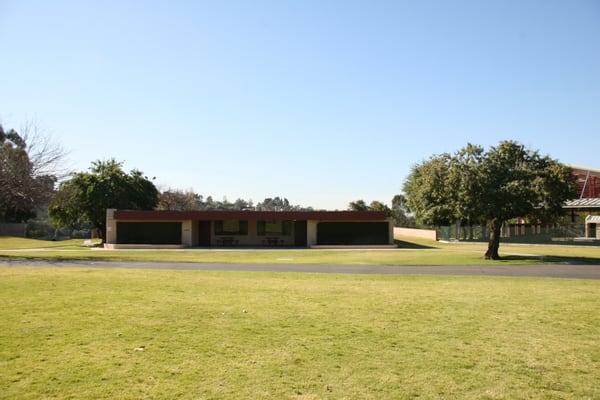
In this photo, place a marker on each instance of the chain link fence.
(519, 233)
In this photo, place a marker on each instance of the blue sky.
(319, 101)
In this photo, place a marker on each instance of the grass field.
(79, 334)
(415, 252)
(11, 242)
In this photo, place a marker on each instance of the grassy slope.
(416, 252)
(73, 333)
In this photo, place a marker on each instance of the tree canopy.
(188, 200)
(474, 186)
(399, 212)
(86, 196)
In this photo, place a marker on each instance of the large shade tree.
(87, 195)
(491, 187)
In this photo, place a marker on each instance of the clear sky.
(319, 101)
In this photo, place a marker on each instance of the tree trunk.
(101, 231)
(494, 241)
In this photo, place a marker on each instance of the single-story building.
(177, 229)
(592, 226)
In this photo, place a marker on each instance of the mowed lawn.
(410, 252)
(79, 333)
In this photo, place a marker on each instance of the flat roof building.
(175, 229)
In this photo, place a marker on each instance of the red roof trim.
(134, 215)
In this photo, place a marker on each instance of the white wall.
(430, 234)
(186, 233)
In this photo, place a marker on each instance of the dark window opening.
(349, 233)
(278, 228)
(231, 227)
(149, 232)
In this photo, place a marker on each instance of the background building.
(585, 210)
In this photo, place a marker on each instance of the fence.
(517, 233)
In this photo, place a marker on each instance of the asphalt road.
(545, 270)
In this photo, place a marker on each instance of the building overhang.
(147, 215)
(585, 203)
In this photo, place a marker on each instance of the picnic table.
(227, 241)
(273, 241)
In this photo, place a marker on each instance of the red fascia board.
(135, 215)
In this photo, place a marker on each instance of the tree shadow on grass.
(412, 245)
(552, 259)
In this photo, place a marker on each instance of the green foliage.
(428, 191)
(87, 195)
(399, 212)
(279, 204)
(477, 187)
(522, 183)
(179, 200)
(358, 205)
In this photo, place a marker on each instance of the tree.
(400, 212)
(358, 205)
(27, 183)
(379, 206)
(48, 158)
(473, 186)
(179, 200)
(241, 204)
(87, 195)
(279, 204)
(175, 199)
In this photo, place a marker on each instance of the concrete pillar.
(111, 227)
(311, 233)
(186, 233)
(587, 230)
(391, 231)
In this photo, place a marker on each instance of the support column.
(111, 227)
(186, 233)
(311, 233)
(587, 230)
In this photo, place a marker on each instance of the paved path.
(554, 271)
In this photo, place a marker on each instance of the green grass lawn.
(415, 252)
(11, 242)
(73, 333)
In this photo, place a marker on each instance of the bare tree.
(30, 166)
(47, 156)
